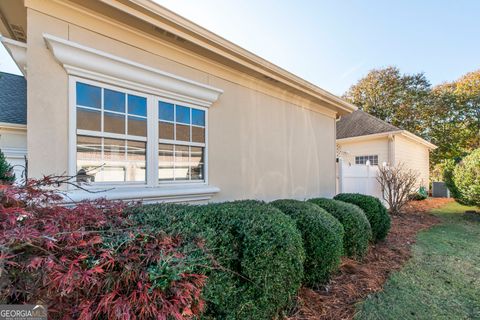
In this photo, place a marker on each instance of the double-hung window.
(113, 137)
(181, 149)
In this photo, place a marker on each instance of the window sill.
(172, 193)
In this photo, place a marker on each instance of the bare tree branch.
(397, 184)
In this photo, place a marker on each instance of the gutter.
(403, 133)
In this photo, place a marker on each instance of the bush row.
(259, 254)
(322, 238)
(375, 211)
(256, 252)
(357, 228)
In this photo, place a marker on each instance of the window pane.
(136, 151)
(114, 149)
(198, 117)
(89, 148)
(165, 162)
(115, 168)
(114, 123)
(137, 105)
(165, 130)
(183, 132)
(114, 100)
(165, 111)
(183, 115)
(88, 95)
(137, 126)
(89, 158)
(181, 162)
(196, 162)
(89, 119)
(198, 134)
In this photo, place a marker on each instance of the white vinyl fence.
(358, 179)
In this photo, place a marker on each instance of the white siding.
(365, 148)
(415, 156)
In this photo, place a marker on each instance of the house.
(13, 120)
(138, 101)
(362, 137)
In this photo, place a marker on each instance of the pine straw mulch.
(355, 280)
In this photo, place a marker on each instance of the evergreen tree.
(6, 170)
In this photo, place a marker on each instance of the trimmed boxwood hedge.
(256, 254)
(322, 238)
(375, 211)
(358, 232)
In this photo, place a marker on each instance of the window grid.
(176, 143)
(123, 154)
(194, 153)
(362, 160)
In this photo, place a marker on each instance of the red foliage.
(88, 261)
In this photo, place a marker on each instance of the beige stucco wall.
(377, 146)
(264, 142)
(415, 156)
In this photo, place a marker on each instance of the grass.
(441, 280)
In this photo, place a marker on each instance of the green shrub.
(375, 211)
(448, 178)
(322, 238)
(6, 170)
(466, 177)
(257, 254)
(358, 232)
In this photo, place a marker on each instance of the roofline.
(198, 35)
(14, 126)
(403, 133)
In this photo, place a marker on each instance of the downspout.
(391, 149)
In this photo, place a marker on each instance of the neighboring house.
(362, 137)
(136, 98)
(13, 120)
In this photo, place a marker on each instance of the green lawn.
(441, 281)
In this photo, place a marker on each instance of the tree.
(6, 170)
(466, 177)
(399, 99)
(446, 126)
(468, 93)
(397, 184)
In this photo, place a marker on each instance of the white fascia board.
(367, 137)
(411, 136)
(404, 133)
(83, 61)
(18, 52)
(13, 126)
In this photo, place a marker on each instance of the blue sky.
(334, 43)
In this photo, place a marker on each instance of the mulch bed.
(355, 280)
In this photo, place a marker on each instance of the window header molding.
(87, 62)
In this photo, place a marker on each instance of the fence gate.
(358, 179)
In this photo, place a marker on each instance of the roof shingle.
(360, 123)
(13, 98)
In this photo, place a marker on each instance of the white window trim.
(86, 62)
(367, 159)
(152, 189)
(99, 68)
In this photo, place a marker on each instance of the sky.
(333, 44)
